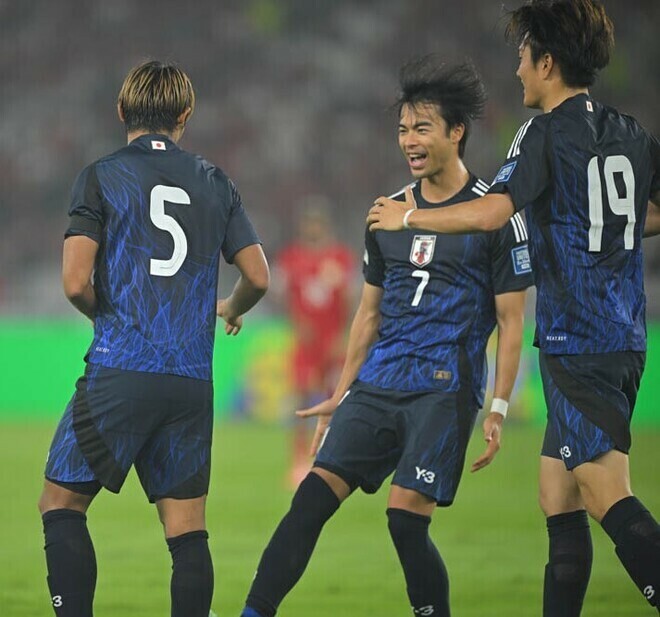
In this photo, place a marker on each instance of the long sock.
(192, 574)
(71, 563)
(569, 564)
(291, 546)
(636, 535)
(425, 572)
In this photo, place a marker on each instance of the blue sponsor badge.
(505, 172)
(521, 263)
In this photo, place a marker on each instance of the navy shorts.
(590, 400)
(420, 436)
(160, 423)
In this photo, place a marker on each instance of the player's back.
(165, 215)
(586, 231)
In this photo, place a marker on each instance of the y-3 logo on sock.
(57, 601)
(648, 592)
(429, 478)
(423, 610)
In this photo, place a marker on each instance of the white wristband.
(499, 405)
(406, 216)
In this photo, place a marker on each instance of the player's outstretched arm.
(78, 259)
(362, 335)
(249, 289)
(652, 224)
(510, 310)
(486, 213)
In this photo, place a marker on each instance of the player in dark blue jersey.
(586, 175)
(415, 370)
(141, 255)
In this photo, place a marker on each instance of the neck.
(446, 183)
(555, 99)
(174, 136)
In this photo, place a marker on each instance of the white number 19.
(621, 206)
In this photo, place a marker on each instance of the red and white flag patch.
(157, 145)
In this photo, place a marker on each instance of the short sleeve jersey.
(584, 173)
(316, 280)
(161, 217)
(438, 304)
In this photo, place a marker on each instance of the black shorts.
(590, 400)
(160, 423)
(420, 436)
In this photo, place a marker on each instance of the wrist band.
(499, 405)
(406, 216)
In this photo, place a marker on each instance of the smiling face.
(425, 140)
(531, 76)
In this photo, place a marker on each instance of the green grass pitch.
(493, 538)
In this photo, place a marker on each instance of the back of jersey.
(161, 217)
(585, 173)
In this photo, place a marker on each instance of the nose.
(407, 140)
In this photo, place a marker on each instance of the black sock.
(569, 564)
(425, 572)
(192, 574)
(291, 546)
(71, 563)
(636, 535)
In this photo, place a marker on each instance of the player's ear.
(120, 112)
(184, 116)
(546, 64)
(456, 133)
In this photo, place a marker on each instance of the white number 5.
(424, 276)
(159, 195)
(622, 206)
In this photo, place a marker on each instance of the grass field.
(493, 538)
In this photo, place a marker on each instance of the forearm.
(652, 224)
(84, 300)
(362, 335)
(244, 296)
(509, 343)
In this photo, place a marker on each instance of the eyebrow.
(417, 124)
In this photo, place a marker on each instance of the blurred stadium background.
(293, 102)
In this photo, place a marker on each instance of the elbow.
(493, 221)
(260, 281)
(74, 289)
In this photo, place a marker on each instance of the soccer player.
(585, 174)
(315, 272)
(141, 255)
(414, 375)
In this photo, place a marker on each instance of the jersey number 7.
(621, 206)
(159, 195)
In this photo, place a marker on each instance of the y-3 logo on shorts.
(429, 478)
(565, 452)
(424, 610)
(648, 592)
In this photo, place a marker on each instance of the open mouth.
(416, 161)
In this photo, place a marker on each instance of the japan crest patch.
(422, 249)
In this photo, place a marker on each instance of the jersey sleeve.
(373, 266)
(526, 172)
(240, 232)
(511, 269)
(655, 162)
(86, 217)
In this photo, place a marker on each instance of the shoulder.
(400, 194)
(532, 130)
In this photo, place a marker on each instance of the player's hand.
(233, 322)
(492, 431)
(387, 214)
(323, 412)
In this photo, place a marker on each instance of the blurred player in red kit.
(314, 274)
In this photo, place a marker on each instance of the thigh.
(361, 445)
(590, 400)
(558, 488)
(175, 461)
(437, 430)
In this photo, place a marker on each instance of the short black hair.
(578, 35)
(456, 90)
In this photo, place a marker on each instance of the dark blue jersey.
(585, 173)
(438, 305)
(161, 217)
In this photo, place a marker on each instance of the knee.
(402, 524)
(553, 502)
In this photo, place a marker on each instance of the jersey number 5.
(159, 195)
(621, 206)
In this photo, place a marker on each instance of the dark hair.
(457, 91)
(578, 35)
(154, 95)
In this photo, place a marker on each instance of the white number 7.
(424, 276)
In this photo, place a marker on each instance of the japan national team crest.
(422, 249)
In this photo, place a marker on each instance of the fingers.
(410, 198)
(491, 450)
(307, 413)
